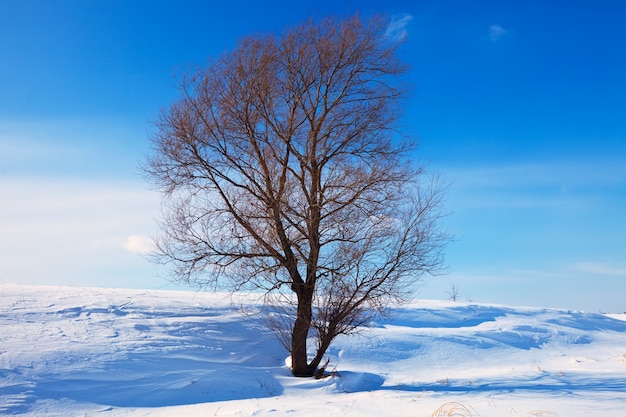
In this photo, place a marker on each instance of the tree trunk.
(324, 344)
(299, 359)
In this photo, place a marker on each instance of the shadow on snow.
(155, 359)
(202, 355)
(351, 382)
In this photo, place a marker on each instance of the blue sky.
(521, 105)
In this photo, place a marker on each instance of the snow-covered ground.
(68, 351)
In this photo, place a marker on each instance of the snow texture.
(68, 351)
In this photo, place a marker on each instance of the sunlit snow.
(67, 351)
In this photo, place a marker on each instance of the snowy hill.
(68, 351)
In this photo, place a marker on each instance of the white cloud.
(139, 244)
(496, 32)
(397, 29)
(76, 232)
(600, 268)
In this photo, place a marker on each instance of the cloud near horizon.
(139, 244)
(600, 268)
(73, 231)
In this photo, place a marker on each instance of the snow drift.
(78, 351)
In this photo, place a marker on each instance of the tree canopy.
(283, 168)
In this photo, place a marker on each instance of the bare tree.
(282, 169)
(453, 294)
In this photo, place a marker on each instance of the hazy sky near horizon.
(521, 105)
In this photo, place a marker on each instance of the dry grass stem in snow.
(455, 409)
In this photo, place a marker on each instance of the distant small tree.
(282, 169)
(453, 294)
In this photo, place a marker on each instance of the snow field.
(68, 351)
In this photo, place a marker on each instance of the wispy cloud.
(551, 184)
(397, 29)
(70, 147)
(600, 268)
(496, 32)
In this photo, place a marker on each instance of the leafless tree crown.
(283, 169)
